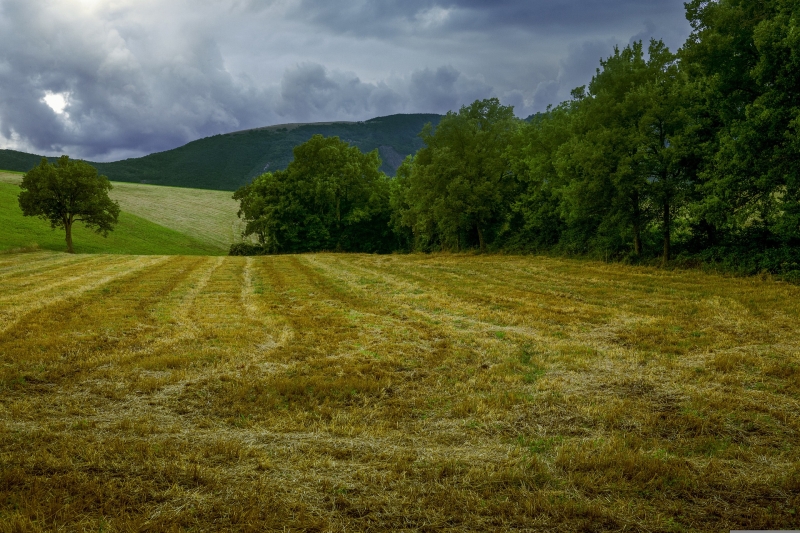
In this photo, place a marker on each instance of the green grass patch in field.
(204, 215)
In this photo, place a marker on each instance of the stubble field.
(351, 392)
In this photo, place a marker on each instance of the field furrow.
(104, 317)
(26, 299)
(35, 262)
(41, 279)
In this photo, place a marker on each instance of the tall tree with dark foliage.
(331, 197)
(68, 192)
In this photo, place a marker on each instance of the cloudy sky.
(109, 79)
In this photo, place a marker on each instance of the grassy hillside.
(351, 393)
(132, 235)
(226, 162)
(204, 215)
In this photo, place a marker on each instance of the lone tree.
(68, 192)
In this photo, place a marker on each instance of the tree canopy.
(66, 192)
(331, 197)
(455, 192)
(745, 55)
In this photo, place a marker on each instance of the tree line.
(692, 154)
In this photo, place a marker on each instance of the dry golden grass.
(422, 393)
(10, 177)
(208, 216)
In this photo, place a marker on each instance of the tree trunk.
(68, 228)
(480, 237)
(667, 223)
(637, 229)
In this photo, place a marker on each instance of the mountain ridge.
(229, 160)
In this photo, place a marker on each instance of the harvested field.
(422, 393)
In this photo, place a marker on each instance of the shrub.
(246, 248)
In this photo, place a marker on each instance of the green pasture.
(132, 235)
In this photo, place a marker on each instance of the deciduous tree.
(68, 192)
(459, 186)
(331, 197)
(746, 54)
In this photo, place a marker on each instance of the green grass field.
(346, 392)
(203, 215)
(132, 235)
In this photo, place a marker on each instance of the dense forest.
(691, 155)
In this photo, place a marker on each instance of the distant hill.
(19, 161)
(228, 161)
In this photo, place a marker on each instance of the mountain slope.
(228, 161)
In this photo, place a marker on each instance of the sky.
(109, 79)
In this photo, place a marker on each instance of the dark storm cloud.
(369, 17)
(562, 41)
(117, 101)
(138, 76)
(557, 16)
(309, 93)
(435, 89)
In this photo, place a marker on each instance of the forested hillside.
(226, 162)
